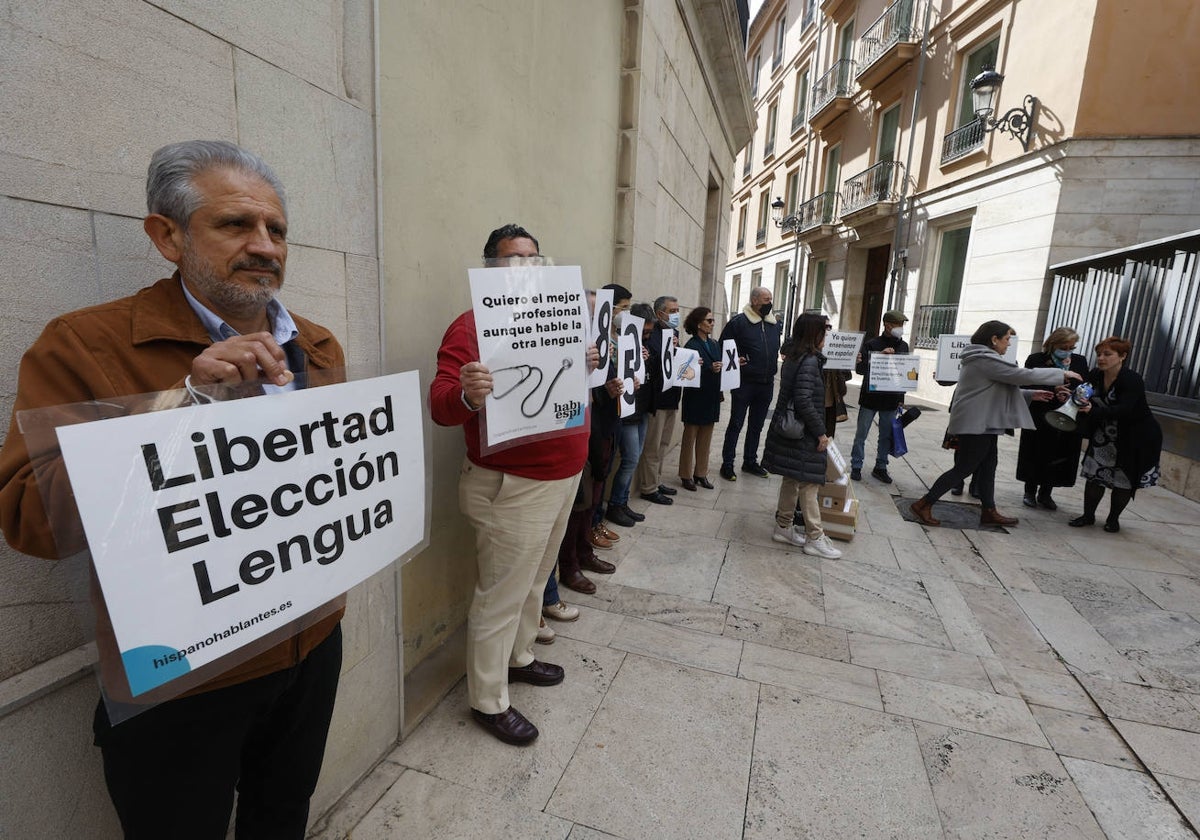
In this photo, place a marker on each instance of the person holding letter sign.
(660, 425)
(758, 334)
(873, 403)
(701, 406)
(218, 213)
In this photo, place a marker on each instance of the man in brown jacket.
(217, 212)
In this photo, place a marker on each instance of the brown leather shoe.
(595, 564)
(991, 516)
(688, 484)
(608, 533)
(577, 582)
(510, 726)
(923, 510)
(595, 540)
(537, 673)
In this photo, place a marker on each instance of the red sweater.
(547, 460)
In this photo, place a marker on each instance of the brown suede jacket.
(135, 345)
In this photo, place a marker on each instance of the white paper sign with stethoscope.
(531, 325)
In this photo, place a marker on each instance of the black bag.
(785, 423)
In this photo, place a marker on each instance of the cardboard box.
(836, 467)
(845, 533)
(839, 517)
(841, 492)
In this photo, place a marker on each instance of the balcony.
(888, 44)
(760, 238)
(932, 321)
(831, 94)
(872, 193)
(963, 141)
(818, 216)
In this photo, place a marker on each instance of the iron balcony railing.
(934, 320)
(1150, 296)
(838, 81)
(761, 236)
(817, 211)
(896, 25)
(963, 140)
(879, 183)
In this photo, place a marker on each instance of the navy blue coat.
(759, 343)
(702, 406)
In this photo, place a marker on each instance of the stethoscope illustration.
(528, 371)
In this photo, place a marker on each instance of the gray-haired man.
(660, 425)
(217, 212)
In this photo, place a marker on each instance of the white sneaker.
(561, 612)
(545, 635)
(788, 534)
(822, 547)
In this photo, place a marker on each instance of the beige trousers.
(693, 450)
(660, 429)
(519, 523)
(785, 510)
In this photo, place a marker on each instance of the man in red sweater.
(518, 499)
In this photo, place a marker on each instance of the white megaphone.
(1063, 418)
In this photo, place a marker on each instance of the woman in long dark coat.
(1047, 457)
(701, 406)
(801, 461)
(1126, 440)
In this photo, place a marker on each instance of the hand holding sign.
(731, 367)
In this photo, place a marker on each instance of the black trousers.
(755, 398)
(172, 770)
(975, 454)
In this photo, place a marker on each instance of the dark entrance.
(874, 283)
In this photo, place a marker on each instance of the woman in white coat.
(988, 400)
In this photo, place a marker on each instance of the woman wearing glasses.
(701, 406)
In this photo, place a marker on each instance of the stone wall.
(87, 92)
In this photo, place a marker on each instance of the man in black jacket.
(882, 403)
(758, 334)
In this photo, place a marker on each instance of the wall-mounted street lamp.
(791, 223)
(1017, 121)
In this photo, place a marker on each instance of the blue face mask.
(673, 320)
(1061, 355)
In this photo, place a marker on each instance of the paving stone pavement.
(1028, 682)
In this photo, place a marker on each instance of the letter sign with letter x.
(731, 370)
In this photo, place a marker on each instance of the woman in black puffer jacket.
(801, 462)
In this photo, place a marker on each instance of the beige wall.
(491, 113)
(89, 91)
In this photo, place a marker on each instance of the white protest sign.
(894, 372)
(667, 359)
(687, 368)
(731, 371)
(841, 349)
(529, 321)
(213, 525)
(632, 326)
(601, 334)
(627, 351)
(949, 353)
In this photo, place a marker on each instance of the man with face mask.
(758, 334)
(881, 403)
(660, 424)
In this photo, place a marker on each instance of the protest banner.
(731, 370)
(667, 359)
(530, 324)
(895, 371)
(687, 368)
(630, 365)
(600, 334)
(949, 357)
(213, 525)
(841, 349)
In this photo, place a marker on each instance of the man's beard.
(235, 298)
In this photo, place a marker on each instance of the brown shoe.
(923, 510)
(608, 533)
(577, 582)
(537, 673)
(596, 540)
(688, 484)
(595, 564)
(991, 516)
(510, 726)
